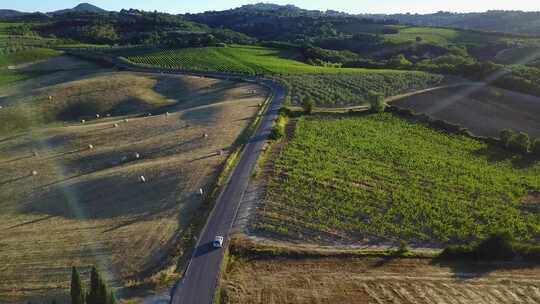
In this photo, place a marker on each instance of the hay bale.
(205, 135)
(34, 173)
(115, 125)
(1, 107)
(137, 155)
(142, 179)
(201, 192)
(97, 116)
(83, 121)
(126, 120)
(90, 146)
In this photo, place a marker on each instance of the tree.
(399, 61)
(98, 290)
(506, 137)
(77, 294)
(521, 143)
(111, 299)
(308, 104)
(376, 100)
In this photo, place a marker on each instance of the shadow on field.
(207, 116)
(464, 270)
(108, 197)
(495, 154)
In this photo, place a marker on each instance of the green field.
(445, 36)
(380, 178)
(353, 89)
(235, 59)
(25, 56)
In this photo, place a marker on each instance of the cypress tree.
(77, 296)
(92, 297)
(112, 298)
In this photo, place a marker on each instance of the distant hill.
(7, 13)
(83, 7)
(516, 22)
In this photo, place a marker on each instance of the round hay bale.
(34, 173)
(115, 125)
(83, 121)
(137, 155)
(201, 192)
(142, 179)
(90, 146)
(97, 116)
(205, 135)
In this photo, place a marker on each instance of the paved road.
(199, 282)
(200, 279)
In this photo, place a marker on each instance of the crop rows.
(354, 89)
(381, 178)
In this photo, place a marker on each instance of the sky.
(349, 6)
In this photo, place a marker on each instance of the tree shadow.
(496, 154)
(463, 270)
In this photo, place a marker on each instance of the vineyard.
(353, 89)
(234, 59)
(378, 179)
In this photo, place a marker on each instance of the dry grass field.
(378, 281)
(484, 110)
(83, 206)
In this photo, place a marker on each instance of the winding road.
(198, 285)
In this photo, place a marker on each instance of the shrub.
(278, 129)
(521, 143)
(535, 148)
(308, 104)
(506, 137)
(376, 100)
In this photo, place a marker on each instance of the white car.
(218, 242)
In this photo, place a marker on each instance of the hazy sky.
(351, 6)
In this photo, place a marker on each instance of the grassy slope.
(380, 177)
(445, 36)
(87, 207)
(21, 57)
(240, 59)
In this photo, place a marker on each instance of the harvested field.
(87, 206)
(378, 281)
(484, 110)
